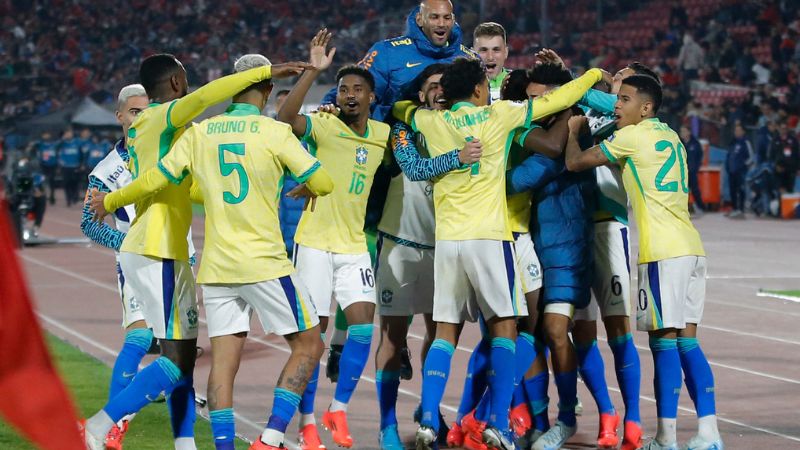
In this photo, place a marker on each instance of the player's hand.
(289, 69)
(547, 55)
(319, 43)
(96, 205)
(471, 152)
(607, 77)
(302, 191)
(330, 108)
(576, 124)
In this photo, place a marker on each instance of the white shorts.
(530, 271)
(165, 290)
(611, 289)
(330, 276)
(405, 279)
(476, 275)
(131, 308)
(672, 293)
(282, 304)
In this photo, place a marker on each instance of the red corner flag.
(32, 397)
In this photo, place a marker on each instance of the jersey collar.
(242, 109)
(497, 82)
(459, 105)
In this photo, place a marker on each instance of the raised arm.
(319, 61)
(191, 105)
(565, 96)
(575, 159)
(599, 101)
(548, 142)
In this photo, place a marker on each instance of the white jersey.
(408, 213)
(113, 172)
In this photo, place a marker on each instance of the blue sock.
(699, 379)
(567, 385)
(536, 389)
(284, 406)
(475, 382)
(223, 428)
(436, 370)
(501, 381)
(629, 373)
(307, 401)
(354, 357)
(524, 355)
(387, 384)
(593, 371)
(484, 408)
(161, 375)
(137, 342)
(182, 413)
(667, 380)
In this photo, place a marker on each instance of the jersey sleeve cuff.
(307, 174)
(307, 133)
(172, 179)
(529, 115)
(607, 152)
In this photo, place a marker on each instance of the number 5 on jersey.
(227, 168)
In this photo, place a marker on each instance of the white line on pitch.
(790, 298)
(792, 276)
(745, 333)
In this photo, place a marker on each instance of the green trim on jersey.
(497, 82)
(607, 152)
(460, 105)
(636, 177)
(169, 176)
(242, 109)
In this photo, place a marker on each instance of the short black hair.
(416, 86)
(155, 69)
(516, 88)
(355, 70)
(641, 69)
(550, 74)
(648, 86)
(461, 77)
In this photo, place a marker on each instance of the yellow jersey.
(654, 173)
(336, 224)
(238, 159)
(519, 204)
(162, 220)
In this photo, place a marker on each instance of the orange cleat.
(474, 442)
(472, 425)
(632, 438)
(116, 435)
(309, 438)
(258, 445)
(520, 419)
(336, 423)
(607, 436)
(455, 437)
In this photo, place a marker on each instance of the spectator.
(740, 156)
(694, 160)
(46, 151)
(691, 57)
(766, 143)
(787, 159)
(69, 161)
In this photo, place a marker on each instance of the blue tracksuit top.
(396, 62)
(562, 226)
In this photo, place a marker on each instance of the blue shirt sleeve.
(532, 174)
(412, 163)
(99, 232)
(599, 101)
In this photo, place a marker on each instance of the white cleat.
(426, 438)
(92, 442)
(555, 437)
(698, 443)
(653, 444)
(525, 442)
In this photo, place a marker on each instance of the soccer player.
(672, 263)
(432, 36)
(110, 174)
(474, 264)
(489, 42)
(330, 252)
(404, 272)
(154, 253)
(241, 275)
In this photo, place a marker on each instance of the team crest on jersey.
(386, 296)
(361, 155)
(533, 270)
